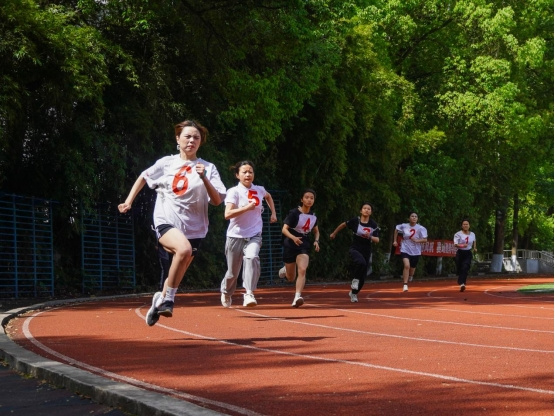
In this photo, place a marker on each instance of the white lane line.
(355, 363)
(446, 322)
(371, 299)
(379, 334)
(129, 380)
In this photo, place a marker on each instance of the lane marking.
(371, 299)
(380, 334)
(129, 380)
(355, 363)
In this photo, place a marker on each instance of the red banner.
(435, 248)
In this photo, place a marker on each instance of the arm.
(316, 232)
(395, 234)
(339, 228)
(270, 202)
(231, 210)
(285, 231)
(215, 197)
(137, 186)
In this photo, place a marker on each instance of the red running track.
(429, 351)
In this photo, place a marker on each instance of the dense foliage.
(443, 107)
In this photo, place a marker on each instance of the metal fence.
(26, 247)
(107, 250)
(271, 252)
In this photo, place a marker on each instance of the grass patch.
(532, 289)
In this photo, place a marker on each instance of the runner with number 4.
(298, 225)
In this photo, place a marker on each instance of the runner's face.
(366, 210)
(246, 175)
(465, 226)
(308, 199)
(189, 140)
(413, 218)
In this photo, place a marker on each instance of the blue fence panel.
(271, 252)
(108, 250)
(26, 247)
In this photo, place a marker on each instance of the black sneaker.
(463, 287)
(166, 309)
(152, 314)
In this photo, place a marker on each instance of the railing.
(529, 261)
(524, 254)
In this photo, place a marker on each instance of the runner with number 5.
(185, 185)
(298, 225)
(243, 209)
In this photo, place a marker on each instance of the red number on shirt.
(252, 195)
(306, 226)
(466, 240)
(412, 232)
(367, 230)
(180, 181)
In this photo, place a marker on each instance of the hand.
(123, 208)
(332, 236)
(273, 218)
(316, 246)
(298, 241)
(251, 205)
(200, 169)
(395, 244)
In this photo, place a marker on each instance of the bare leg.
(177, 244)
(302, 265)
(406, 269)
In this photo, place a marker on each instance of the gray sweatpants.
(241, 252)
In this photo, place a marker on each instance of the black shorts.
(290, 254)
(164, 228)
(413, 260)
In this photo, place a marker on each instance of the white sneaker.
(249, 300)
(354, 285)
(282, 274)
(354, 297)
(410, 278)
(405, 288)
(226, 300)
(298, 301)
(152, 314)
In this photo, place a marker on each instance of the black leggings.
(358, 267)
(463, 260)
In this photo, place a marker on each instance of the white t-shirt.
(182, 199)
(462, 238)
(410, 234)
(249, 223)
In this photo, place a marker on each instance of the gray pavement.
(53, 388)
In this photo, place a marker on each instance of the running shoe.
(405, 288)
(282, 274)
(354, 284)
(298, 301)
(463, 287)
(226, 300)
(354, 297)
(249, 300)
(166, 309)
(152, 314)
(410, 278)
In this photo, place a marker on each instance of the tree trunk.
(498, 242)
(514, 247)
